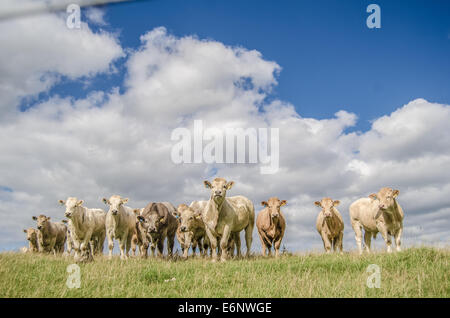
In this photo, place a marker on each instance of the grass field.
(416, 272)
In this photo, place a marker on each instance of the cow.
(51, 235)
(271, 225)
(120, 224)
(191, 229)
(224, 217)
(140, 240)
(32, 238)
(160, 224)
(87, 228)
(379, 212)
(330, 224)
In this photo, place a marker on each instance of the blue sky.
(397, 77)
(330, 60)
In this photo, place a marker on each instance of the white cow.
(378, 213)
(225, 217)
(120, 225)
(86, 227)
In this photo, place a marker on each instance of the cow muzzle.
(39, 227)
(183, 229)
(114, 212)
(68, 214)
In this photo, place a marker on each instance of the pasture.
(414, 272)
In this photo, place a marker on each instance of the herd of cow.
(213, 225)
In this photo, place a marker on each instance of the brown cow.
(32, 239)
(330, 225)
(51, 235)
(159, 224)
(271, 224)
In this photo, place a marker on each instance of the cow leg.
(358, 235)
(110, 243)
(277, 245)
(224, 242)
(237, 242)
(341, 242)
(133, 247)
(367, 240)
(213, 245)
(326, 243)
(101, 242)
(386, 236)
(398, 236)
(122, 247)
(248, 238)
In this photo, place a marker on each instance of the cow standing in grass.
(271, 224)
(51, 235)
(224, 217)
(32, 238)
(86, 227)
(160, 224)
(380, 212)
(120, 225)
(330, 225)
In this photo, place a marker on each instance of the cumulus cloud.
(119, 143)
(38, 51)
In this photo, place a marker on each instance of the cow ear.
(176, 213)
(162, 218)
(336, 202)
(264, 203)
(283, 202)
(105, 201)
(207, 184)
(136, 211)
(25, 231)
(318, 203)
(48, 218)
(229, 185)
(125, 200)
(198, 214)
(34, 218)
(395, 193)
(373, 196)
(79, 203)
(141, 218)
(61, 202)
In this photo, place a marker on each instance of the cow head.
(386, 199)
(72, 205)
(115, 202)
(274, 204)
(188, 217)
(41, 221)
(31, 234)
(219, 188)
(327, 205)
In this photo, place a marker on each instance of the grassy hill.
(415, 272)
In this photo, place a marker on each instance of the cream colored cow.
(87, 229)
(224, 217)
(330, 224)
(51, 235)
(120, 224)
(32, 238)
(379, 212)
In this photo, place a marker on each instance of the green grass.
(416, 272)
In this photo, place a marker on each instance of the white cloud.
(38, 50)
(113, 143)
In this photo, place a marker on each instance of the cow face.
(72, 205)
(187, 217)
(386, 198)
(327, 205)
(219, 188)
(155, 222)
(115, 202)
(31, 234)
(274, 204)
(41, 221)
